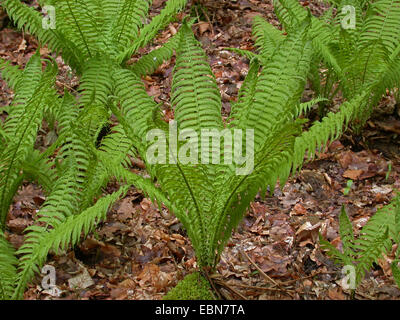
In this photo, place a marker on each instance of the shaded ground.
(140, 252)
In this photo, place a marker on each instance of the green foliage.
(360, 63)
(64, 231)
(210, 198)
(396, 272)
(8, 270)
(93, 38)
(72, 178)
(21, 127)
(193, 287)
(346, 190)
(376, 238)
(359, 59)
(111, 30)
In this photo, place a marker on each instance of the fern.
(91, 36)
(210, 199)
(375, 239)
(357, 59)
(23, 130)
(65, 231)
(11, 74)
(8, 270)
(150, 30)
(90, 29)
(150, 62)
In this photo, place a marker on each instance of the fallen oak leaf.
(352, 174)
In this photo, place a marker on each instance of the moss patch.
(193, 287)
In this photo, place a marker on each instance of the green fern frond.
(24, 90)
(195, 94)
(26, 16)
(150, 62)
(332, 251)
(279, 85)
(130, 178)
(245, 96)
(149, 31)
(371, 249)
(289, 12)
(12, 157)
(136, 105)
(382, 25)
(396, 272)
(267, 37)
(129, 19)
(80, 25)
(329, 129)
(304, 107)
(96, 82)
(37, 168)
(8, 271)
(66, 232)
(375, 239)
(244, 53)
(346, 232)
(11, 74)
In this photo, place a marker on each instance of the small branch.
(224, 284)
(205, 272)
(267, 277)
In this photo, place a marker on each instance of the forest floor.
(141, 253)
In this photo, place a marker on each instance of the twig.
(289, 291)
(205, 272)
(306, 277)
(224, 284)
(259, 269)
(208, 20)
